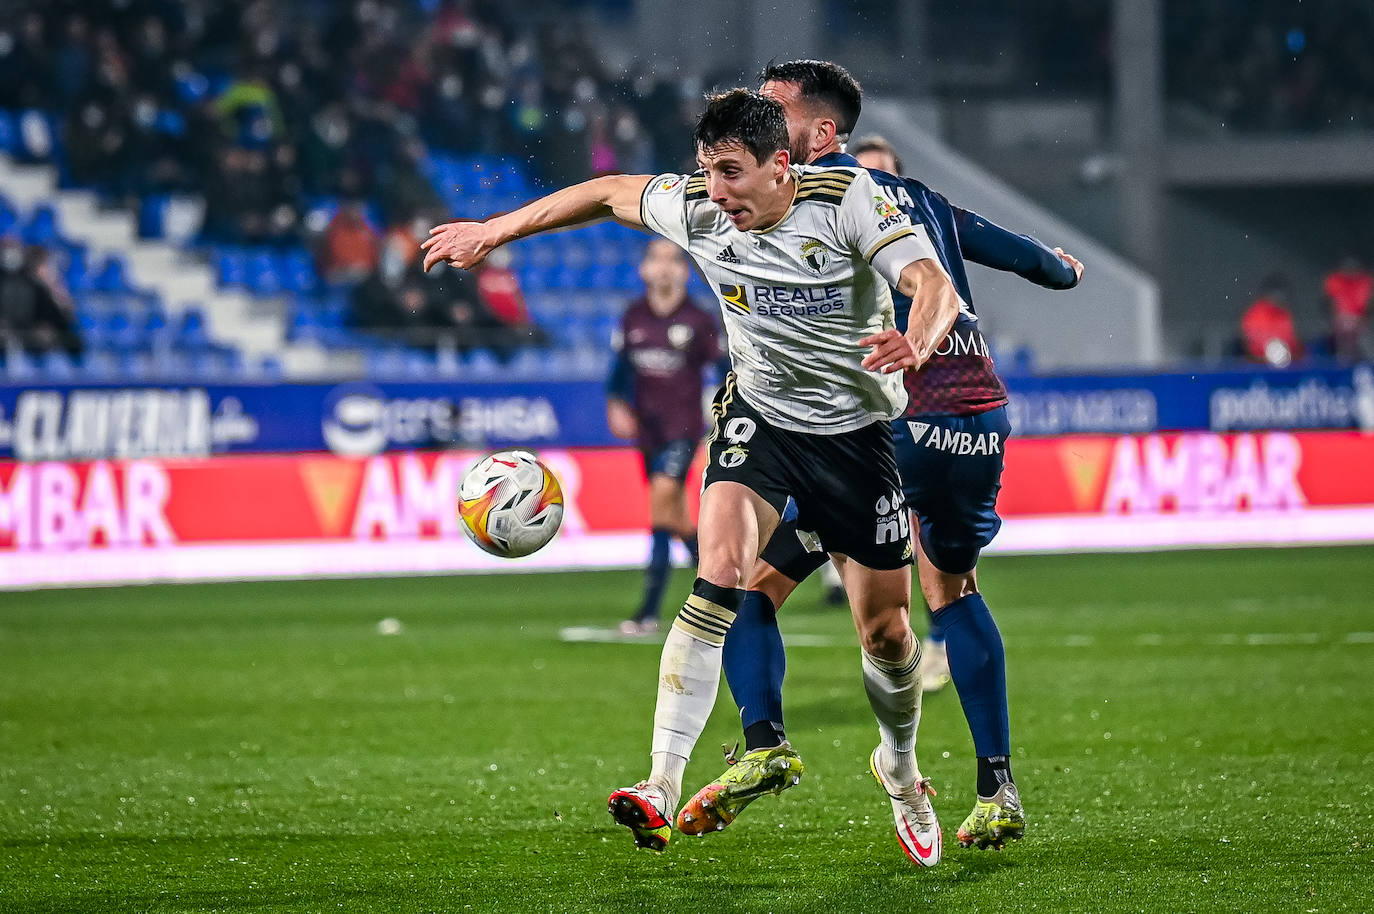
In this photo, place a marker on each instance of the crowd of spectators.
(267, 104)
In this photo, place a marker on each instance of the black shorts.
(951, 469)
(846, 486)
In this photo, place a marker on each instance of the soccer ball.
(510, 504)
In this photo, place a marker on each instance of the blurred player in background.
(654, 396)
(949, 444)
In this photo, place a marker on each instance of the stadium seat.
(56, 365)
(482, 365)
(297, 271)
(121, 334)
(263, 279)
(99, 364)
(113, 275)
(151, 213)
(231, 267)
(41, 228)
(9, 133)
(19, 367)
(191, 332)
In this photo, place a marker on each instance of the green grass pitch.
(1192, 731)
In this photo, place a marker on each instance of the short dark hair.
(876, 143)
(822, 81)
(742, 116)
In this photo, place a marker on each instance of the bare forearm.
(934, 305)
(466, 244)
(590, 201)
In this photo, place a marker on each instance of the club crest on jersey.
(680, 336)
(815, 255)
(735, 298)
(733, 456)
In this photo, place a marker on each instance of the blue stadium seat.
(113, 275)
(122, 334)
(19, 367)
(297, 271)
(56, 365)
(41, 227)
(231, 267)
(9, 133)
(99, 364)
(481, 364)
(191, 332)
(151, 213)
(263, 278)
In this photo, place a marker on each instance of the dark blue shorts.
(672, 459)
(951, 469)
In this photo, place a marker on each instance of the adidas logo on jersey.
(727, 255)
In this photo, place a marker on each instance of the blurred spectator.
(1267, 334)
(30, 314)
(1349, 289)
(348, 250)
(499, 292)
(399, 300)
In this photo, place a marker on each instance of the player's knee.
(724, 569)
(887, 637)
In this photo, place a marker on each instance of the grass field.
(1192, 732)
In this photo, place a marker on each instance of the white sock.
(688, 679)
(894, 693)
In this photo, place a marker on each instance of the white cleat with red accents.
(918, 830)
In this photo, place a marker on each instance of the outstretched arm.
(985, 242)
(466, 244)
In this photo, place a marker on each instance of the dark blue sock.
(691, 543)
(754, 663)
(978, 666)
(656, 575)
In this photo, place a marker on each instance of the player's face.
(804, 128)
(880, 159)
(663, 269)
(752, 194)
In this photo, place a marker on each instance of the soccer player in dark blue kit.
(654, 395)
(950, 444)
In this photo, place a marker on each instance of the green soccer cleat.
(994, 820)
(755, 773)
(640, 809)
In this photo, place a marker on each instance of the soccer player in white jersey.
(800, 259)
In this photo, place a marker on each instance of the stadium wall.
(69, 523)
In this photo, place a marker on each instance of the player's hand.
(621, 419)
(891, 351)
(1071, 261)
(460, 244)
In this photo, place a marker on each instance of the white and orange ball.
(510, 504)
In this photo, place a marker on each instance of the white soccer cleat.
(918, 830)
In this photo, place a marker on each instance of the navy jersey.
(658, 369)
(959, 379)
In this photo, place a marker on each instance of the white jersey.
(797, 297)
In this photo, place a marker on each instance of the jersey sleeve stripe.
(904, 233)
(696, 188)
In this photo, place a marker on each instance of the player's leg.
(666, 468)
(754, 663)
(880, 601)
(732, 519)
(955, 496)
(736, 519)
